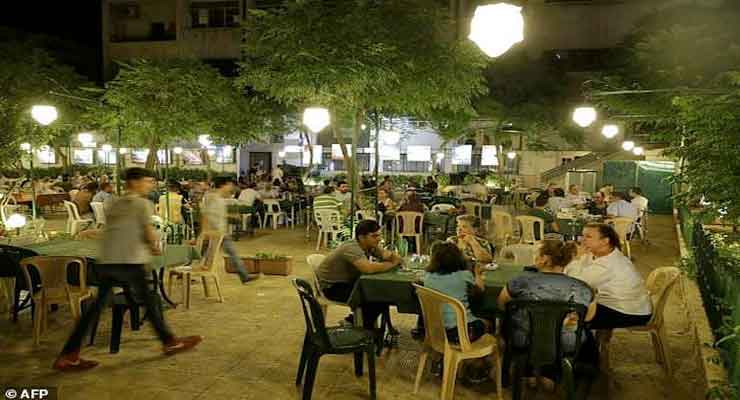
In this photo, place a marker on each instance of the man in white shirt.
(622, 297)
(574, 196)
(249, 195)
(277, 173)
(557, 201)
(343, 193)
(638, 200)
(620, 207)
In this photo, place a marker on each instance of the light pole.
(44, 115)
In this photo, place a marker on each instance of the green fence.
(717, 260)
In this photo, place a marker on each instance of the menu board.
(462, 155)
(488, 155)
(390, 153)
(191, 157)
(419, 153)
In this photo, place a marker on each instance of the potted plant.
(274, 264)
(250, 264)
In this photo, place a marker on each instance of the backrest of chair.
(623, 226)
(272, 205)
(52, 271)
(98, 211)
(213, 253)
(442, 207)
(72, 213)
(328, 220)
(472, 208)
(362, 215)
(545, 319)
(659, 284)
(315, 323)
(530, 225)
(409, 222)
(432, 305)
(73, 194)
(521, 254)
(502, 223)
(314, 260)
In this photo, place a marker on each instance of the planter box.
(276, 267)
(250, 264)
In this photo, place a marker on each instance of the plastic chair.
(320, 340)
(442, 207)
(314, 260)
(361, 215)
(99, 213)
(521, 254)
(641, 226)
(272, 210)
(406, 226)
(529, 228)
(503, 225)
(73, 194)
(435, 339)
(329, 223)
(74, 221)
(120, 303)
(544, 347)
(207, 268)
(10, 267)
(52, 273)
(659, 283)
(623, 226)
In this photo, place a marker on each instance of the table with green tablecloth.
(172, 255)
(571, 227)
(395, 288)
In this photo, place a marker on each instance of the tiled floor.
(252, 344)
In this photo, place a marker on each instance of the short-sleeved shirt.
(622, 208)
(124, 237)
(326, 202)
(339, 266)
(546, 286)
(467, 250)
(454, 285)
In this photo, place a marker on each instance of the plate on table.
(491, 266)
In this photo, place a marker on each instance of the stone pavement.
(253, 341)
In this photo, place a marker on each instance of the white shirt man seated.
(620, 207)
(574, 196)
(638, 200)
(249, 195)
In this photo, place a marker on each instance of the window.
(404, 165)
(214, 14)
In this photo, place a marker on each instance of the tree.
(155, 103)
(30, 75)
(687, 59)
(357, 56)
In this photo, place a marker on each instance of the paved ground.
(252, 343)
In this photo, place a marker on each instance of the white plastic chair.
(329, 223)
(74, 222)
(365, 214)
(529, 228)
(406, 226)
(503, 225)
(210, 266)
(624, 227)
(73, 194)
(99, 213)
(273, 211)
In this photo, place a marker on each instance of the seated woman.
(385, 203)
(474, 248)
(549, 282)
(411, 202)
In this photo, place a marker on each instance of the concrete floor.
(253, 341)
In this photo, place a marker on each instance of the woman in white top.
(622, 298)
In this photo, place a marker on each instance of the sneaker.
(65, 364)
(436, 368)
(179, 345)
(251, 278)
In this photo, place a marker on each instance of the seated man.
(597, 206)
(327, 201)
(105, 194)
(341, 269)
(574, 197)
(557, 201)
(551, 226)
(620, 207)
(638, 200)
(249, 195)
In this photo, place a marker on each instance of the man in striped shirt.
(327, 201)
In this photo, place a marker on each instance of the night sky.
(75, 22)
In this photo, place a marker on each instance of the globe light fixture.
(281, 154)
(610, 130)
(106, 148)
(15, 221)
(497, 27)
(316, 118)
(204, 140)
(26, 147)
(177, 150)
(211, 152)
(44, 115)
(123, 150)
(511, 155)
(628, 145)
(584, 116)
(440, 157)
(638, 151)
(363, 127)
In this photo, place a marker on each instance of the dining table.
(172, 255)
(396, 288)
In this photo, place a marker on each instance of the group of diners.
(593, 273)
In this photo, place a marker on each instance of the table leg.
(160, 283)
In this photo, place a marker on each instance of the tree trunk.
(151, 158)
(61, 156)
(310, 152)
